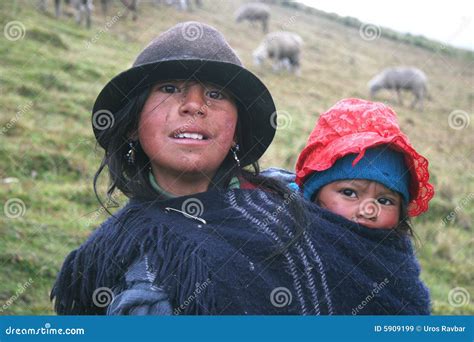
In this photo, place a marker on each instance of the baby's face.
(366, 202)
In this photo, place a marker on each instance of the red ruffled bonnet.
(354, 125)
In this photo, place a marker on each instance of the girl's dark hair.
(133, 180)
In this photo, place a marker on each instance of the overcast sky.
(449, 22)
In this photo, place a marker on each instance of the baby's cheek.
(391, 219)
(341, 209)
(394, 220)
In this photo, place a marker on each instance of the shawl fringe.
(176, 265)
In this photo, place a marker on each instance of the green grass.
(50, 78)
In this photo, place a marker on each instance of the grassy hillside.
(50, 77)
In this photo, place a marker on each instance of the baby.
(358, 164)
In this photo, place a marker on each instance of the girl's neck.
(182, 184)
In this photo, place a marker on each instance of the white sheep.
(283, 48)
(254, 12)
(406, 78)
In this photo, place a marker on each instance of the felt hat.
(193, 51)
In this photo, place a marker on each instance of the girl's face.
(366, 202)
(187, 128)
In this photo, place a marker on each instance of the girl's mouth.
(186, 135)
(191, 136)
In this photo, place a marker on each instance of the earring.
(131, 153)
(234, 149)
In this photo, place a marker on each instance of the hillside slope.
(50, 77)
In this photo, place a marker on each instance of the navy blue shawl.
(335, 267)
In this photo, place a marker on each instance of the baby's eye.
(385, 201)
(349, 193)
(169, 88)
(215, 94)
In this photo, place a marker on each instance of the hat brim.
(256, 118)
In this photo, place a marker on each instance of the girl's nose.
(193, 101)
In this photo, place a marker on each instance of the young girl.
(182, 131)
(358, 164)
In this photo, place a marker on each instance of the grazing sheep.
(83, 10)
(180, 5)
(283, 47)
(254, 12)
(132, 6)
(406, 78)
(43, 5)
(104, 5)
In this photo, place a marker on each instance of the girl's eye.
(349, 193)
(215, 94)
(385, 201)
(169, 89)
